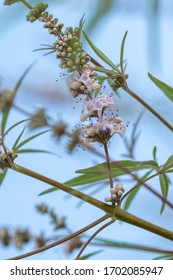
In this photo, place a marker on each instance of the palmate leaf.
(99, 172)
(167, 90)
(164, 183)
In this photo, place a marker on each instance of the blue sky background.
(148, 49)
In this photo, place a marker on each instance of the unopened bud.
(108, 199)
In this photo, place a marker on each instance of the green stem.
(95, 202)
(26, 4)
(112, 211)
(56, 243)
(108, 165)
(136, 221)
(134, 95)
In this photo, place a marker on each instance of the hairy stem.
(56, 243)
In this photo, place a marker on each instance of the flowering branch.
(110, 210)
(98, 120)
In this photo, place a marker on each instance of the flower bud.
(75, 85)
(108, 199)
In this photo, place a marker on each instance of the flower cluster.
(36, 12)
(105, 125)
(69, 50)
(51, 24)
(83, 82)
(68, 47)
(116, 193)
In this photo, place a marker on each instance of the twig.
(56, 243)
(93, 235)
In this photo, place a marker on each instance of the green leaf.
(48, 191)
(130, 198)
(81, 23)
(122, 52)
(104, 70)
(17, 86)
(169, 171)
(22, 151)
(14, 125)
(100, 54)
(2, 176)
(164, 183)
(167, 90)
(87, 256)
(99, 172)
(164, 257)
(18, 139)
(133, 194)
(117, 167)
(31, 138)
(112, 243)
(168, 164)
(154, 153)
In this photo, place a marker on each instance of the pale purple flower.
(103, 130)
(114, 127)
(83, 81)
(86, 80)
(100, 103)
